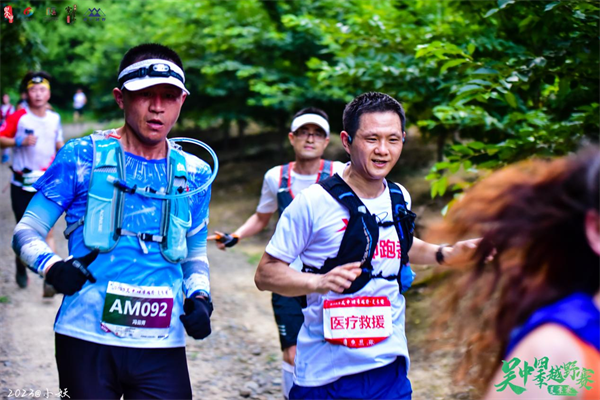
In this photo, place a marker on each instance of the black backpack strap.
(339, 190)
(284, 194)
(360, 238)
(404, 220)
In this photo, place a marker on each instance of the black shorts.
(289, 318)
(20, 200)
(89, 370)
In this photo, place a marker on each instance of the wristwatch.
(439, 254)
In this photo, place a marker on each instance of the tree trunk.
(456, 136)
(226, 138)
(241, 123)
(282, 130)
(441, 141)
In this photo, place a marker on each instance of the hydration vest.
(103, 219)
(285, 194)
(362, 234)
(576, 312)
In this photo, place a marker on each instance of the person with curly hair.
(531, 315)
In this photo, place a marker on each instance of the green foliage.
(84, 53)
(526, 85)
(502, 80)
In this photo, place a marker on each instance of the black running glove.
(69, 276)
(197, 317)
(229, 240)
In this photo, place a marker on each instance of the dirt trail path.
(77, 129)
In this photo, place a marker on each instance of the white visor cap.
(310, 119)
(152, 72)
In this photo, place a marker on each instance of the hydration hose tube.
(164, 196)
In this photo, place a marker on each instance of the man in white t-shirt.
(35, 134)
(309, 136)
(352, 343)
(79, 102)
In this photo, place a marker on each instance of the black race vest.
(362, 234)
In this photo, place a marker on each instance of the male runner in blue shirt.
(136, 248)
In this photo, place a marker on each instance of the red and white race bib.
(358, 321)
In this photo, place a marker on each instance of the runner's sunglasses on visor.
(154, 70)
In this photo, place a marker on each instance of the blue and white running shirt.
(147, 276)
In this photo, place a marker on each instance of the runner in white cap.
(137, 243)
(309, 136)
